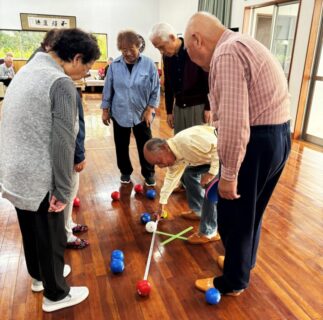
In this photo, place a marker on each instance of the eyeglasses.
(132, 50)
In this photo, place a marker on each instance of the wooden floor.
(287, 282)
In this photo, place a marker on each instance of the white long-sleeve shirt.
(5, 72)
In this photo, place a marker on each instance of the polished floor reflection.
(287, 282)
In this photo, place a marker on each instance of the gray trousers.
(188, 117)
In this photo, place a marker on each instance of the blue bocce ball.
(212, 296)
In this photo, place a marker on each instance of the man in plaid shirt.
(250, 104)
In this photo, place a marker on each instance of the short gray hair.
(161, 30)
(8, 58)
(155, 144)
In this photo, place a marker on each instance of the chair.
(2, 90)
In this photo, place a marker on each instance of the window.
(23, 43)
(274, 26)
(103, 45)
(313, 129)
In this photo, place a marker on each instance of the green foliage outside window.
(102, 42)
(23, 43)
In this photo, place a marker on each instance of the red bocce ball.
(139, 188)
(115, 195)
(143, 288)
(76, 202)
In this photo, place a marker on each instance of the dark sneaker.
(125, 178)
(150, 182)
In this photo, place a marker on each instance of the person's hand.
(55, 205)
(106, 117)
(206, 178)
(228, 189)
(170, 120)
(80, 166)
(148, 115)
(207, 116)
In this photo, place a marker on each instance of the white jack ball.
(151, 226)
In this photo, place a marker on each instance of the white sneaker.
(37, 286)
(75, 296)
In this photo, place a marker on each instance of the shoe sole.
(37, 288)
(234, 294)
(202, 241)
(150, 185)
(125, 182)
(220, 262)
(64, 305)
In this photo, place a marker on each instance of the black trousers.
(239, 221)
(44, 241)
(142, 134)
(6, 82)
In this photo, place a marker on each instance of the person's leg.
(49, 241)
(194, 191)
(69, 224)
(188, 117)
(122, 141)
(6, 82)
(73, 242)
(185, 118)
(26, 221)
(267, 191)
(208, 223)
(142, 134)
(179, 122)
(194, 115)
(240, 220)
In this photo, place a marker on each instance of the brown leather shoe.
(198, 238)
(204, 284)
(220, 262)
(207, 283)
(234, 293)
(190, 215)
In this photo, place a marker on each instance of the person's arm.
(63, 100)
(3, 76)
(207, 112)
(155, 88)
(172, 178)
(12, 72)
(79, 155)
(233, 114)
(169, 94)
(154, 97)
(205, 81)
(107, 96)
(231, 92)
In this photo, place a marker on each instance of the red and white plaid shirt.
(247, 88)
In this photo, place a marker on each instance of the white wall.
(177, 12)
(111, 16)
(300, 45)
(106, 16)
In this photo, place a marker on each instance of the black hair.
(70, 42)
(49, 38)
